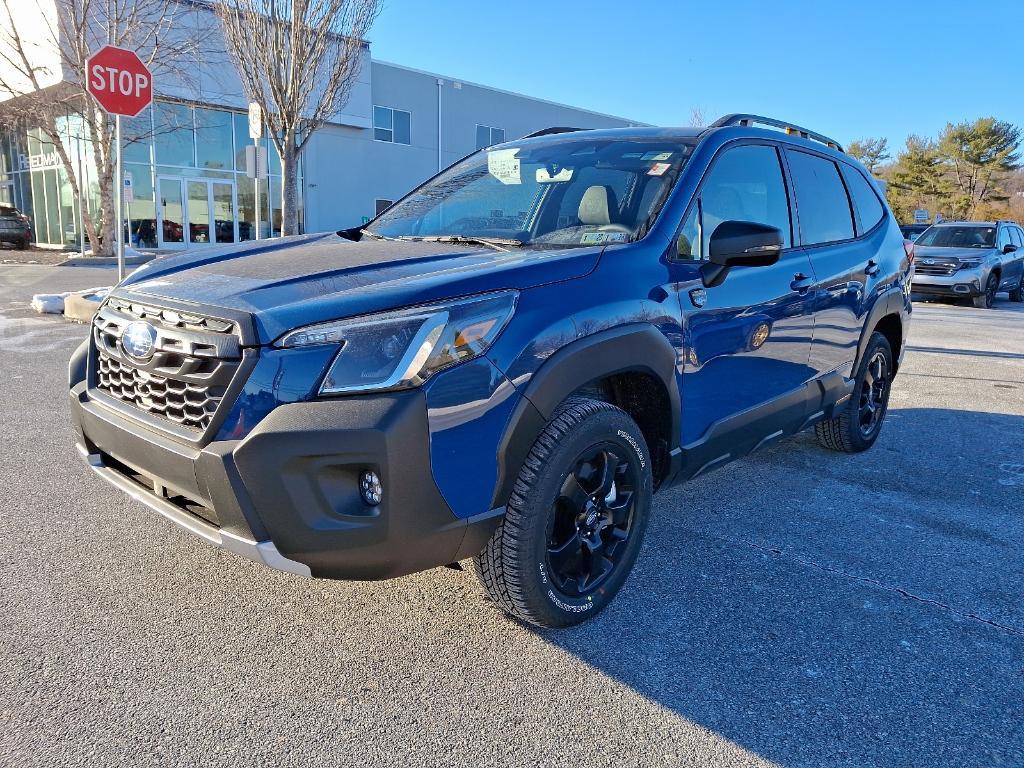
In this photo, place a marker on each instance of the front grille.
(186, 378)
(942, 268)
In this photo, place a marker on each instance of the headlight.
(397, 350)
(970, 263)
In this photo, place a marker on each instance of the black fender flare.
(891, 302)
(78, 364)
(636, 347)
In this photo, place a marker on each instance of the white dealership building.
(187, 171)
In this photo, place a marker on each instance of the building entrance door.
(195, 212)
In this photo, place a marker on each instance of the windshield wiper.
(497, 243)
(375, 236)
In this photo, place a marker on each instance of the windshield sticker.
(615, 237)
(591, 238)
(503, 165)
(658, 169)
(656, 156)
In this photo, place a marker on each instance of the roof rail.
(550, 131)
(789, 128)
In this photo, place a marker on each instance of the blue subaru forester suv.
(507, 363)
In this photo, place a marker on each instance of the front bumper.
(287, 494)
(965, 282)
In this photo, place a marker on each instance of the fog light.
(370, 488)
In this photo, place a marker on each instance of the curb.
(105, 261)
(81, 307)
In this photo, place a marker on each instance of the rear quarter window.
(823, 205)
(867, 209)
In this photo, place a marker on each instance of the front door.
(748, 339)
(195, 212)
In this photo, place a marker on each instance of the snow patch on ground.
(53, 303)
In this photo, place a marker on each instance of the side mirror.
(739, 244)
(1009, 248)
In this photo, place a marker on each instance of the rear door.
(843, 263)
(749, 338)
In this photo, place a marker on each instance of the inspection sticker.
(503, 165)
(658, 169)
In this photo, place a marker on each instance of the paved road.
(798, 608)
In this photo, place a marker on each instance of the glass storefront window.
(241, 123)
(39, 208)
(214, 139)
(68, 204)
(246, 207)
(142, 210)
(137, 137)
(173, 134)
(52, 207)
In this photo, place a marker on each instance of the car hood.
(948, 254)
(290, 282)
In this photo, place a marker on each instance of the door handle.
(872, 269)
(801, 283)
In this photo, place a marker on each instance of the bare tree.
(697, 118)
(33, 44)
(298, 59)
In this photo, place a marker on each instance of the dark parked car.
(913, 231)
(15, 227)
(507, 363)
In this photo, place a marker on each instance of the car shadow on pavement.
(821, 609)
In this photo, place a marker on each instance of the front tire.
(575, 519)
(986, 299)
(857, 425)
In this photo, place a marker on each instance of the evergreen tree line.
(971, 171)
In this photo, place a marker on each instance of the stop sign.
(120, 81)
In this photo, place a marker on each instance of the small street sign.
(128, 192)
(123, 85)
(256, 162)
(921, 216)
(255, 121)
(120, 81)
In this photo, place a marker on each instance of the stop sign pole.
(123, 85)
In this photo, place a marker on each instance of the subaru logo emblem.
(928, 261)
(139, 340)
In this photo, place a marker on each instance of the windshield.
(559, 193)
(959, 237)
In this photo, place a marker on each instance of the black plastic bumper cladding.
(294, 482)
(301, 471)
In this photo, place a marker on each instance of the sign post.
(123, 85)
(256, 133)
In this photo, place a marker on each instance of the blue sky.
(849, 70)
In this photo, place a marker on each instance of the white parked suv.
(970, 259)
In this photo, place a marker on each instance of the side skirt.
(745, 432)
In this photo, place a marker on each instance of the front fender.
(636, 347)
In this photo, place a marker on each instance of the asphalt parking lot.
(797, 608)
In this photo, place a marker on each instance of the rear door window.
(821, 199)
(867, 210)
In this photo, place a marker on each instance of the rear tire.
(986, 299)
(575, 519)
(858, 423)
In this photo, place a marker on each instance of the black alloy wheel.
(591, 520)
(575, 520)
(874, 393)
